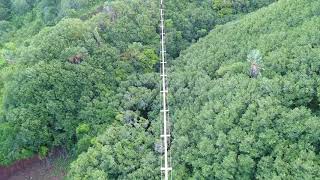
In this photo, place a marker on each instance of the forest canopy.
(230, 125)
(83, 76)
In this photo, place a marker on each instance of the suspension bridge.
(166, 165)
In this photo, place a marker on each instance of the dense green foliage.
(72, 67)
(85, 79)
(122, 152)
(187, 21)
(228, 125)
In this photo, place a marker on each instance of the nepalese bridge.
(166, 165)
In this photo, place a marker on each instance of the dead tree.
(77, 59)
(254, 57)
(255, 70)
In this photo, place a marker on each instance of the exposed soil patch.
(54, 167)
(38, 171)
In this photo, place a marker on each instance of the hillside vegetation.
(70, 69)
(228, 124)
(82, 76)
